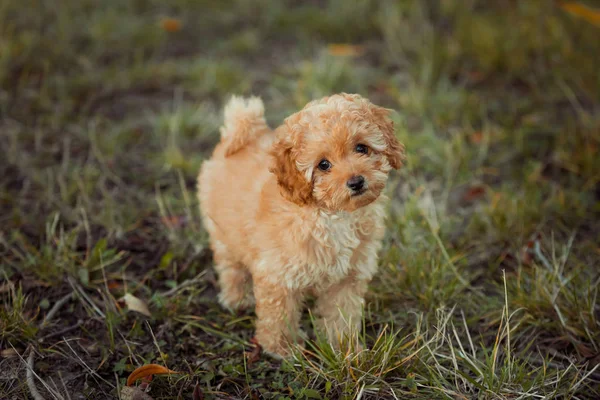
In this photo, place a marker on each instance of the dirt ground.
(489, 274)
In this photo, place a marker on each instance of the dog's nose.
(356, 183)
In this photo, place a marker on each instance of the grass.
(488, 282)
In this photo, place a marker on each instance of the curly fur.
(280, 226)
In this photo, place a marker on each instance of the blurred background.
(107, 110)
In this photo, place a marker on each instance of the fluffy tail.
(244, 123)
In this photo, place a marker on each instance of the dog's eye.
(361, 148)
(324, 165)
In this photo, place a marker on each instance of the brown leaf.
(170, 24)
(476, 137)
(114, 285)
(8, 353)
(345, 50)
(254, 355)
(198, 394)
(147, 370)
(474, 193)
(591, 15)
(254, 394)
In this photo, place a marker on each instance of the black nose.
(356, 183)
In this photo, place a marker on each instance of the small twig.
(61, 302)
(118, 386)
(64, 386)
(30, 377)
(55, 387)
(156, 344)
(31, 359)
(63, 331)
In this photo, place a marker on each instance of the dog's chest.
(329, 252)
(335, 237)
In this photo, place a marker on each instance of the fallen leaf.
(474, 193)
(476, 137)
(345, 50)
(170, 24)
(8, 353)
(135, 304)
(591, 15)
(254, 394)
(254, 355)
(133, 393)
(147, 370)
(198, 394)
(114, 285)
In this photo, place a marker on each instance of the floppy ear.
(292, 183)
(395, 150)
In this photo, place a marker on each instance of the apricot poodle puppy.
(298, 211)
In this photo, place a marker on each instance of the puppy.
(298, 211)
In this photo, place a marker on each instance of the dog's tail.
(244, 123)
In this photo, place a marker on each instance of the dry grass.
(488, 286)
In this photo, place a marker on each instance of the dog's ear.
(292, 183)
(394, 150)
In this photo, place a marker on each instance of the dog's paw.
(282, 349)
(236, 303)
(280, 352)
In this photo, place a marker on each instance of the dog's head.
(336, 153)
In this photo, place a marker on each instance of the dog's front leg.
(340, 310)
(278, 312)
